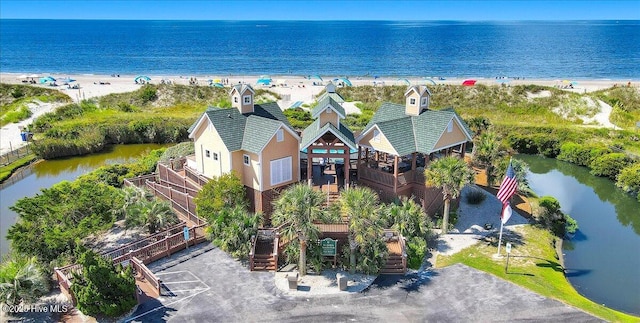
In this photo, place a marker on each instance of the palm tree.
(297, 208)
(408, 218)
(486, 152)
(154, 214)
(361, 206)
(450, 174)
(21, 279)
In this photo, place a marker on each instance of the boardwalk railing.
(142, 270)
(139, 244)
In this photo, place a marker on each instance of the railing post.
(166, 245)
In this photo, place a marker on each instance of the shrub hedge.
(610, 165)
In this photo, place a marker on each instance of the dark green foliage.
(298, 118)
(479, 124)
(231, 229)
(10, 93)
(543, 144)
(629, 179)
(51, 221)
(416, 251)
(475, 196)
(554, 219)
(103, 288)
(112, 175)
(22, 280)
(314, 255)
(609, 165)
(371, 256)
(224, 192)
(581, 155)
(148, 93)
(179, 150)
(408, 218)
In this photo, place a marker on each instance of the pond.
(46, 173)
(602, 260)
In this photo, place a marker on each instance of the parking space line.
(184, 281)
(172, 272)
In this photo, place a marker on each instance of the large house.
(255, 141)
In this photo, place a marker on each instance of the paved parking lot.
(212, 287)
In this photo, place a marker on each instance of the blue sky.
(322, 10)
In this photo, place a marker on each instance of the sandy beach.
(294, 90)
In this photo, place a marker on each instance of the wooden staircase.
(263, 255)
(397, 260)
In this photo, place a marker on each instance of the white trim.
(445, 131)
(215, 156)
(282, 171)
(329, 106)
(469, 136)
(362, 135)
(414, 101)
(450, 126)
(448, 146)
(330, 128)
(244, 99)
(198, 125)
(282, 126)
(260, 179)
(246, 160)
(375, 137)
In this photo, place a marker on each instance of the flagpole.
(501, 225)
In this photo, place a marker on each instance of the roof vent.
(229, 115)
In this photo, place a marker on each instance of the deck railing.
(140, 268)
(139, 244)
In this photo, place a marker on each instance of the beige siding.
(382, 145)
(237, 101)
(207, 138)
(450, 138)
(249, 174)
(275, 150)
(412, 109)
(329, 117)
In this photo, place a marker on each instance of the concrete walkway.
(203, 284)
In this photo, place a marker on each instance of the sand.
(294, 90)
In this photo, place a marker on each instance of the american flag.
(508, 186)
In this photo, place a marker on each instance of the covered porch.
(396, 174)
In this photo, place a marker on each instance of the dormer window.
(247, 99)
(235, 99)
(450, 126)
(423, 102)
(412, 101)
(328, 110)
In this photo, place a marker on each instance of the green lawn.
(532, 265)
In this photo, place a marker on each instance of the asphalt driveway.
(203, 284)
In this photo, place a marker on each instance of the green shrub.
(176, 151)
(523, 144)
(571, 225)
(21, 280)
(17, 115)
(224, 192)
(629, 179)
(609, 165)
(581, 155)
(475, 196)
(148, 93)
(554, 219)
(298, 118)
(103, 288)
(371, 256)
(416, 251)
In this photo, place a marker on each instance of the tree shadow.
(551, 264)
(412, 282)
(508, 235)
(576, 272)
(151, 311)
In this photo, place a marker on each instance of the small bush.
(148, 93)
(581, 155)
(609, 165)
(629, 179)
(17, 115)
(416, 251)
(475, 196)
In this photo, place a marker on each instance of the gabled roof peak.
(420, 89)
(241, 88)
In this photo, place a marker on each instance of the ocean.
(531, 49)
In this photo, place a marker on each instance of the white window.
(235, 99)
(280, 135)
(424, 102)
(328, 110)
(412, 101)
(376, 135)
(281, 170)
(215, 156)
(450, 126)
(247, 99)
(245, 159)
(207, 153)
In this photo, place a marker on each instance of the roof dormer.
(417, 99)
(242, 98)
(328, 111)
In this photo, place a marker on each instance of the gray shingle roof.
(323, 103)
(335, 96)
(232, 127)
(408, 134)
(313, 131)
(258, 132)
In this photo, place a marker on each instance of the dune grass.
(533, 264)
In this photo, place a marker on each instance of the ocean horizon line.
(333, 20)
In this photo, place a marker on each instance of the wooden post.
(395, 174)
(463, 147)
(347, 163)
(413, 161)
(309, 167)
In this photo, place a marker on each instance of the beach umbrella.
(574, 83)
(142, 77)
(66, 80)
(343, 80)
(405, 81)
(315, 76)
(47, 79)
(469, 82)
(264, 80)
(217, 84)
(430, 81)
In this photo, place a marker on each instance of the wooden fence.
(14, 154)
(142, 270)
